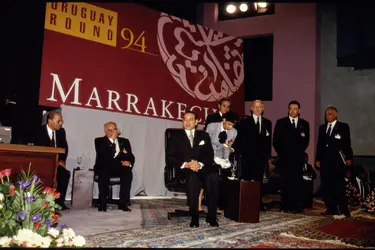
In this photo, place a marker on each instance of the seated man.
(53, 135)
(114, 158)
(191, 154)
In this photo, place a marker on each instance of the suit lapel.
(335, 129)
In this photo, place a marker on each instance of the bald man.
(254, 143)
(114, 158)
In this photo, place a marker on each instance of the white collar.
(333, 123)
(291, 119)
(255, 117)
(221, 114)
(188, 132)
(49, 130)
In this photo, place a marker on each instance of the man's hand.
(317, 163)
(62, 163)
(195, 166)
(125, 163)
(348, 162)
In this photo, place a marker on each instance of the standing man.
(290, 140)
(191, 154)
(223, 107)
(254, 144)
(114, 158)
(333, 154)
(53, 135)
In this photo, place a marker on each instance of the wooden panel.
(242, 200)
(27, 148)
(44, 164)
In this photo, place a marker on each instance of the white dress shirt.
(49, 130)
(188, 135)
(260, 121)
(295, 120)
(333, 125)
(117, 146)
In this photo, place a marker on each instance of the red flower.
(56, 195)
(12, 190)
(7, 171)
(55, 218)
(53, 212)
(46, 203)
(37, 225)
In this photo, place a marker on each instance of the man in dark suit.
(254, 144)
(114, 158)
(191, 154)
(290, 140)
(53, 135)
(223, 107)
(333, 154)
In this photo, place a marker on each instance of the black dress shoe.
(102, 208)
(212, 222)
(64, 208)
(194, 221)
(124, 208)
(128, 203)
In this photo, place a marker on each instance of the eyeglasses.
(60, 122)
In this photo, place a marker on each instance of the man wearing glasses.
(53, 135)
(114, 158)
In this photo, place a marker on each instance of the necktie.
(329, 129)
(191, 138)
(53, 144)
(113, 148)
(293, 123)
(258, 125)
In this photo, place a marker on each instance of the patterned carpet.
(275, 230)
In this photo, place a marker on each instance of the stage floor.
(147, 225)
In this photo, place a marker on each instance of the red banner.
(123, 57)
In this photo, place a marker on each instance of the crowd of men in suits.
(197, 154)
(290, 139)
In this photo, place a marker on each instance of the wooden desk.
(43, 161)
(242, 200)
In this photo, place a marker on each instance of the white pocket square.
(337, 136)
(201, 143)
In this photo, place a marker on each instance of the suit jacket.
(104, 154)
(251, 144)
(44, 140)
(329, 146)
(214, 129)
(213, 117)
(309, 171)
(179, 150)
(291, 143)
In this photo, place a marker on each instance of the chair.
(112, 182)
(172, 182)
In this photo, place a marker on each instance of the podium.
(44, 161)
(242, 200)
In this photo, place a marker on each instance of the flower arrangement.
(28, 217)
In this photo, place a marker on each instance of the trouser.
(334, 191)
(194, 182)
(62, 182)
(126, 178)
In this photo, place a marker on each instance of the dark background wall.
(351, 91)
